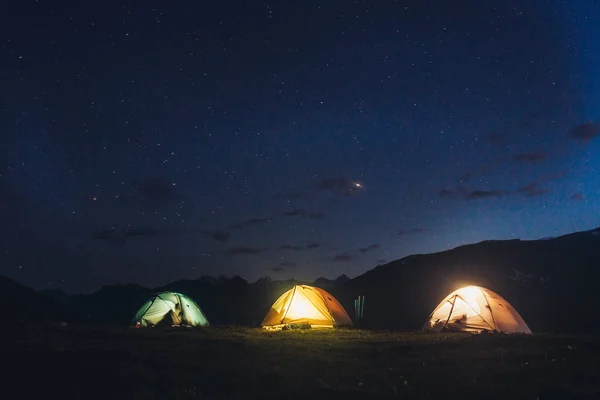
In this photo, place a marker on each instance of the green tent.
(170, 309)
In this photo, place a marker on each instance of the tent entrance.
(460, 315)
(466, 316)
(170, 309)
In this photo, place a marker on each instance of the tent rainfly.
(475, 309)
(306, 305)
(170, 309)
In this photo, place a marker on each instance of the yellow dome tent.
(306, 305)
(475, 309)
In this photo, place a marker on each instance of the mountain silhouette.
(28, 305)
(329, 283)
(552, 282)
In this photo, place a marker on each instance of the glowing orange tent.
(475, 309)
(306, 305)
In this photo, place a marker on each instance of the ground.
(230, 363)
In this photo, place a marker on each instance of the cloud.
(369, 248)
(407, 232)
(298, 212)
(585, 132)
(482, 194)
(469, 195)
(220, 236)
(289, 247)
(309, 246)
(532, 190)
(344, 257)
(531, 158)
(339, 185)
(577, 197)
(249, 222)
(529, 190)
(239, 250)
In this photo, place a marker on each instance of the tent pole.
(182, 317)
(490, 308)
(289, 302)
(450, 313)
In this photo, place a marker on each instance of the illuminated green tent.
(169, 309)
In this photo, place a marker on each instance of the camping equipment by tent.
(475, 309)
(306, 305)
(171, 309)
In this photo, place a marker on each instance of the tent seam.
(479, 314)
(490, 307)
(326, 305)
(288, 305)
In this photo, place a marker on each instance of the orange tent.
(306, 305)
(475, 309)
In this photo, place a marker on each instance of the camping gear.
(359, 308)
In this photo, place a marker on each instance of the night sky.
(148, 141)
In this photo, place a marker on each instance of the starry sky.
(147, 142)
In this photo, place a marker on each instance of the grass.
(233, 362)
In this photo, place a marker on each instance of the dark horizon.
(292, 278)
(147, 143)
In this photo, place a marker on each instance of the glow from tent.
(301, 308)
(470, 292)
(470, 295)
(462, 284)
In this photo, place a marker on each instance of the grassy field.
(243, 363)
